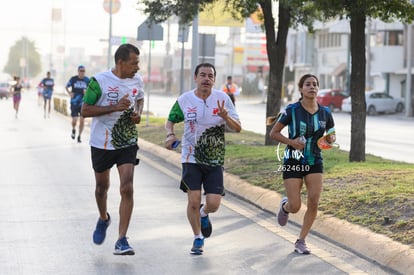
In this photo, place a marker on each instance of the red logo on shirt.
(134, 91)
(215, 111)
(192, 109)
(113, 89)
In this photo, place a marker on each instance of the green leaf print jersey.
(124, 132)
(210, 147)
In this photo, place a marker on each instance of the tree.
(24, 60)
(358, 11)
(291, 13)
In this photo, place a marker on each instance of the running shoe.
(73, 134)
(282, 215)
(79, 139)
(206, 227)
(122, 247)
(197, 246)
(301, 248)
(100, 232)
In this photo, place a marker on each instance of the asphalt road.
(48, 214)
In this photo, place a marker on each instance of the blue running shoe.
(122, 247)
(206, 227)
(100, 232)
(197, 248)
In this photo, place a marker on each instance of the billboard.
(215, 14)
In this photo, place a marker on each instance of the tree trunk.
(358, 114)
(276, 51)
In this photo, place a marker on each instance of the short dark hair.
(208, 65)
(123, 51)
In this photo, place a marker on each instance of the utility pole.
(110, 36)
(194, 49)
(408, 96)
(368, 82)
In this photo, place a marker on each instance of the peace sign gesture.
(222, 112)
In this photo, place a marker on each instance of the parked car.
(4, 90)
(377, 102)
(331, 98)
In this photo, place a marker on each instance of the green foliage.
(160, 11)
(23, 48)
(302, 12)
(386, 10)
(240, 9)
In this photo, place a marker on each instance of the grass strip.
(377, 194)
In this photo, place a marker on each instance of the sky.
(84, 23)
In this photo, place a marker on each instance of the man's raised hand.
(222, 112)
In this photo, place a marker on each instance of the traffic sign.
(119, 40)
(116, 6)
(183, 31)
(150, 31)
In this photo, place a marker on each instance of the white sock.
(202, 213)
(199, 236)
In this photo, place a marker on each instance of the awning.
(339, 69)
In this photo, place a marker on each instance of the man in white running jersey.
(115, 99)
(205, 112)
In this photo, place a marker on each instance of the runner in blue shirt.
(307, 121)
(76, 88)
(47, 84)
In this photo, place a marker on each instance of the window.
(329, 40)
(387, 38)
(395, 38)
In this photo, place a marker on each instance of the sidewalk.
(376, 247)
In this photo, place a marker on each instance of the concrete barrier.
(61, 104)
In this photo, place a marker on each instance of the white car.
(4, 90)
(377, 102)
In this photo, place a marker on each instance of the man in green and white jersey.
(205, 112)
(115, 100)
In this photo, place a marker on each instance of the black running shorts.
(196, 175)
(75, 110)
(293, 168)
(104, 159)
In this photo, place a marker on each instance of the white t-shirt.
(203, 137)
(114, 130)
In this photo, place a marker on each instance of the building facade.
(326, 53)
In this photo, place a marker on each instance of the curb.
(376, 247)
